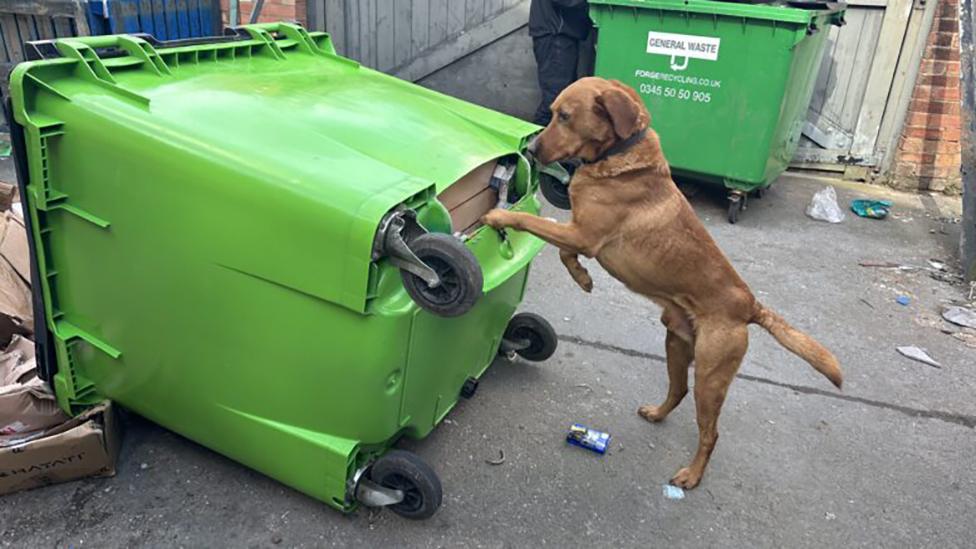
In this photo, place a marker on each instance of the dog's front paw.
(686, 478)
(651, 413)
(496, 219)
(584, 281)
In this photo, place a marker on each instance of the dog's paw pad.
(651, 413)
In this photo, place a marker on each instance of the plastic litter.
(903, 300)
(824, 207)
(960, 315)
(873, 209)
(591, 439)
(673, 492)
(918, 354)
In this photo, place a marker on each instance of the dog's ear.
(624, 112)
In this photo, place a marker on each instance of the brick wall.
(273, 11)
(928, 155)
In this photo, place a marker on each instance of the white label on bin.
(686, 46)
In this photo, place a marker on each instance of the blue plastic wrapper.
(591, 439)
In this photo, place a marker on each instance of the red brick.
(926, 161)
(939, 67)
(921, 132)
(932, 133)
(277, 12)
(934, 107)
(913, 144)
(942, 53)
(934, 80)
(949, 10)
(936, 171)
(949, 160)
(949, 92)
(922, 151)
(949, 147)
(942, 39)
(916, 159)
(946, 25)
(929, 120)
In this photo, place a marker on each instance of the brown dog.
(630, 216)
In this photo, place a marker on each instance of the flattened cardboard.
(470, 197)
(14, 248)
(8, 193)
(15, 301)
(27, 405)
(84, 446)
(23, 345)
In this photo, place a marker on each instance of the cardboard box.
(8, 195)
(16, 308)
(84, 446)
(13, 246)
(27, 405)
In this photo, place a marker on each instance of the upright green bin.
(271, 249)
(727, 84)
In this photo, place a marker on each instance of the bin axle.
(392, 240)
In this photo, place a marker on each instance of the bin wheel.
(405, 471)
(532, 337)
(735, 206)
(760, 193)
(458, 270)
(555, 191)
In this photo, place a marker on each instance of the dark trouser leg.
(556, 57)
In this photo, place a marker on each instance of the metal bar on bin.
(967, 243)
(256, 12)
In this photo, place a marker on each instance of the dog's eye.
(563, 116)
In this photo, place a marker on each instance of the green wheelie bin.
(271, 250)
(728, 84)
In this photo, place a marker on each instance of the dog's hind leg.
(719, 349)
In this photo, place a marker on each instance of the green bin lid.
(801, 13)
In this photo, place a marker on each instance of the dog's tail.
(799, 344)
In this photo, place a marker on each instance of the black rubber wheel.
(555, 191)
(760, 193)
(537, 331)
(735, 206)
(461, 278)
(405, 471)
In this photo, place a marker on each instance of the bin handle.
(261, 31)
(133, 45)
(97, 42)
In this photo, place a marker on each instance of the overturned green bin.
(728, 84)
(271, 250)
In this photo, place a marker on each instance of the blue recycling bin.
(163, 19)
